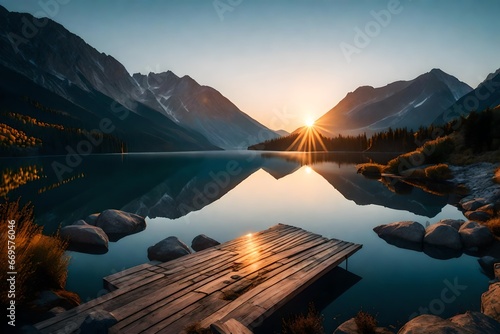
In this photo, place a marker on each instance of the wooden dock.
(242, 281)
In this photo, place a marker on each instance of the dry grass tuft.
(439, 172)
(496, 177)
(311, 323)
(370, 169)
(40, 261)
(366, 322)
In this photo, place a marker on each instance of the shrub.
(366, 322)
(40, 261)
(370, 169)
(439, 172)
(311, 323)
(432, 152)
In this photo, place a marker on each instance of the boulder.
(202, 242)
(350, 327)
(92, 219)
(97, 322)
(487, 263)
(455, 223)
(431, 324)
(80, 222)
(442, 235)
(476, 322)
(116, 223)
(85, 237)
(480, 216)
(168, 249)
(406, 231)
(475, 235)
(48, 299)
(474, 204)
(490, 301)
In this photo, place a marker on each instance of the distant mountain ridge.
(485, 95)
(66, 65)
(202, 109)
(399, 104)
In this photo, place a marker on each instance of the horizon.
(277, 71)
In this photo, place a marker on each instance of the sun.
(309, 122)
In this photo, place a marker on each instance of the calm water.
(227, 194)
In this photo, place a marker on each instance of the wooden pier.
(238, 283)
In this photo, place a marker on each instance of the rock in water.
(476, 322)
(202, 242)
(85, 237)
(168, 249)
(116, 223)
(406, 231)
(442, 235)
(431, 324)
(475, 235)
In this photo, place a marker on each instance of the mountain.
(400, 104)
(202, 109)
(485, 95)
(54, 59)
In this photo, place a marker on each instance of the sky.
(285, 62)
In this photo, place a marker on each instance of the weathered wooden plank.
(274, 277)
(263, 270)
(232, 326)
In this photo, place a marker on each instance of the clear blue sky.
(281, 61)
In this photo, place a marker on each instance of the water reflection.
(173, 185)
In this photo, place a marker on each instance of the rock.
(168, 249)
(79, 223)
(92, 219)
(442, 235)
(455, 223)
(477, 216)
(487, 263)
(86, 238)
(431, 324)
(407, 231)
(47, 300)
(474, 235)
(97, 322)
(117, 224)
(350, 327)
(476, 322)
(474, 204)
(490, 301)
(202, 242)
(488, 208)
(55, 311)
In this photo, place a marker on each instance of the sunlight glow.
(308, 170)
(309, 122)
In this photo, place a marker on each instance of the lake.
(227, 194)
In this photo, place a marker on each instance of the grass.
(366, 322)
(310, 323)
(439, 172)
(40, 261)
(371, 169)
(432, 152)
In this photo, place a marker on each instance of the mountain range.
(400, 104)
(164, 112)
(45, 67)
